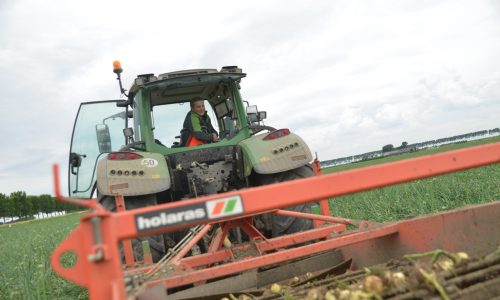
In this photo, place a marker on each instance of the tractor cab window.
(169, 118)
(98, 130)
(226, 118)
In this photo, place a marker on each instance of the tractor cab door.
(98, 130)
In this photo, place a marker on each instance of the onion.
(276, 288)
(373, 284)
(330, 296)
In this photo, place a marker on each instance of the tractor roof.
(181, 86)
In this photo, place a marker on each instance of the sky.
(347, 76)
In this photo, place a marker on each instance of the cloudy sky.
(348, 76)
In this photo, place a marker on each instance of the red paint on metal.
(330, 219)
(189, 246)
(127, 243)
(324, 204)
(285, 241)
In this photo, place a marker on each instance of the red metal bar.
(218, 238)
(285, 241)
(192, 242)
(330, 219)
(325, 203)
(191, 262)
(208, 258)
(127, 243)
(247, 225)
(91, 204)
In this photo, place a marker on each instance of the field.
(25, 248)
(420, 197)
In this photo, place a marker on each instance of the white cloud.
(348, 76)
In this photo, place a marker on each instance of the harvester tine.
(252, 281)
(219, 288)
(336, 270)
(300, 267)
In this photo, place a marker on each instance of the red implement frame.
(95, 240)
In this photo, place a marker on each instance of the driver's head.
(198, 105)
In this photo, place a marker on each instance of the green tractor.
(130, 147)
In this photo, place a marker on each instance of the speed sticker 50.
(149, 162)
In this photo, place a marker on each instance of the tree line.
(19, 206)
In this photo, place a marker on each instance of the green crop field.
(419, 197)
(25, 248)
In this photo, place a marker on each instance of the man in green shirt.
(197, 127)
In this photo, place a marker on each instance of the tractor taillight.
(123, 156)
(277, 134)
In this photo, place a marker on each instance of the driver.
(197, 128)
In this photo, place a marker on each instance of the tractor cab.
(151, 118)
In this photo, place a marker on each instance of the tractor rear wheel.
(156, 242)
(280, 225)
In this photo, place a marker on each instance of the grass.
(420, 197)
(25, 250)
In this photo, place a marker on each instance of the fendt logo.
(224, 207)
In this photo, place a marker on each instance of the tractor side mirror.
(103, 138)
(252, 114)
(252, 109)
(75, 161)
(128, 132)
(262, 115)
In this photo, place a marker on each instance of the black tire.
(280, 225)
(156, 242)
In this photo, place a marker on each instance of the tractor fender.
(145, 175)
(274, 156)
